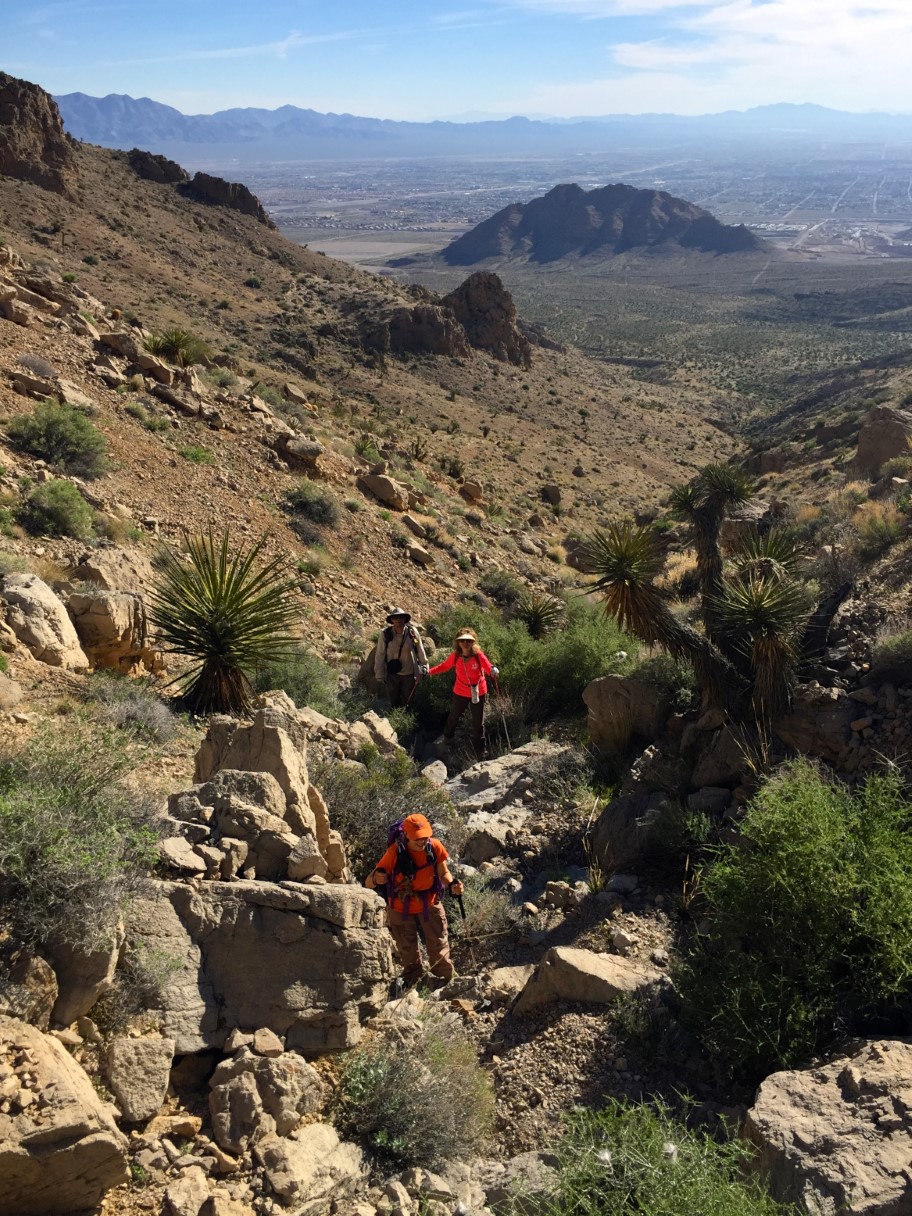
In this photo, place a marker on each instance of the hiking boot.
(436, 982)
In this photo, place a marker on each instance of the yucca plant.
(229, 614)
(773, 555)
(178, 346)
(626, 558)
(541, 614)
(763, 619)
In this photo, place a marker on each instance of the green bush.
(675, 678)
(74, 837)
(56, 508)
(363, 805)
(625, 1160)
(63, 437)
(197, 455)
(546, 677)
(806, 932)
(307, 679)
(893, 656)
(503, 587)
(310, 502)
(419, 1099)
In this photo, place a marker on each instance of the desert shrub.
(625, 1159)
(12, 563)
(504, 588)
(312, 503)
(178, 346)
(879, 525)
(144, 416)
(420, 1099)
(63, 437)
(197, 454)
(366, 447)
(307, 679)
(74, 838)
(892, 655)
(897, 466)
(4, 663)
(38, 365)
(362, 805)
(807, 926)
(143, 973)
(7, 520)
(131, 706)
(56, 508)
(489, 910)
(675, 678)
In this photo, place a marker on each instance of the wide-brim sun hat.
(398, 612)
(417, 827)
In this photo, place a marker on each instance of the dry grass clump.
(878, 525)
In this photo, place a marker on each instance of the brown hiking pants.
(399, 689)
(404, 928)
(458, 706)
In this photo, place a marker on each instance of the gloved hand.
(495, 672)
(456, 887)
(423, 669)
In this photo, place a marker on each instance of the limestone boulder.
(619, 708)
(885, 432)
(137, 1071)
(818, 722)
(40, 622)
(314, 1173)
(566, 974)
(390, 492)
(187, 1194)
(297, 450)
(625, 831)
(836, 1138)
(28, 991)
(84, 973)
(310, 962)
(253, 1096)
(115, 569)
(113, 630)
(60, 1149)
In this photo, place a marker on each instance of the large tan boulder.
(115, 569)
(114, 631)
(28, 991)
(252, 1097)
(84, 973)
(314, 1172)
(390, 492)
(620, 708)
(310, 962)
(566, 974)
(40, 622)
(885, 432)
(60, 1149)
(138, 1071)
(837, 1138)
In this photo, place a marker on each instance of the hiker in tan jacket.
(400, 657)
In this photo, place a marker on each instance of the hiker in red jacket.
(471, 665)
(413, 874)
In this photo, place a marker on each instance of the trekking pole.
(408, 699)
(503, 716)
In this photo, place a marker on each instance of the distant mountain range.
(569, 221)
(119, 121)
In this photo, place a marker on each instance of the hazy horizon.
(562, 58)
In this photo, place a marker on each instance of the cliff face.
(485, 310)
(33, 146)
(569, 221)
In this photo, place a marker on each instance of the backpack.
(406, 866)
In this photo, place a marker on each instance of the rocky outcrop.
(314, 1173)
(234, 195)
(836, 1138)
(566, 974)
(40, 622)
(60, 1150)
(569, 221)
(309, 961)
(153, 168)
(620, 708)
(113, 630)
(485, 310)
(885, 432)
(424, 328)
(253, 1096)
(33, 146)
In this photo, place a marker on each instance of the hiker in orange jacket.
(413, 874)
(471, 665)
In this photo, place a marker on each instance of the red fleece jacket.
(468, 672)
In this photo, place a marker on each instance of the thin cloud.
(261, 50)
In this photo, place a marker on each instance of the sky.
(408, 59)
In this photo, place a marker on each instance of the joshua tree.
(752, 616)
(228, 614)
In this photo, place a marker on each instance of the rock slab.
(60, 1151)
(838, 1138)
(566, 974)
